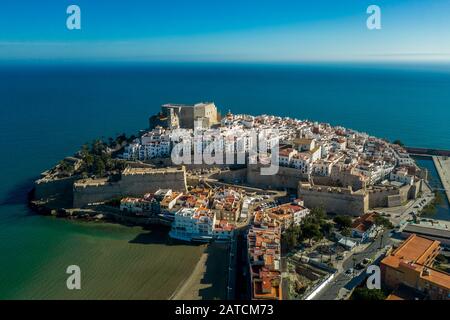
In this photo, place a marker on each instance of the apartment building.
(411, 265)
(288, 214)
(264, 255)
(135, 205)
(192, 224)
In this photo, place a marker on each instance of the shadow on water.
(18, 194)
(216, 273)
(159, 235)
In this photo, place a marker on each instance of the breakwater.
(428, 151)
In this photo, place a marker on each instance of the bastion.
(334, 199)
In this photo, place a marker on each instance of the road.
(242, 276)
(403, 213)
(342, 280)
(442, 165)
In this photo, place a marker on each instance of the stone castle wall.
(393, 196)
(83, 195)
(285, 178)
(136, 184)
(334, 200)
(231, 176)
(45, 189)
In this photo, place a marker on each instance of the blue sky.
(232, 30)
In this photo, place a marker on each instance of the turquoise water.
(48, 112)
(442, 209)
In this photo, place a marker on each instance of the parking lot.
(401, 214)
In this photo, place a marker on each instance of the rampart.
(391, 196)
(286, 178)
(133, 182)
(334, 199)
(46, 188)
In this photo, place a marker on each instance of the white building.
(302, 162)
(131, 151)
(401, 175)
(134, 205)
(192, 224)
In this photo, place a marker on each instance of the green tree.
(326, 228)
(121, 138)
(318, 213)
(65, 166)
(290, 239)
(368, 294)
(346, 232)
(382, 221)
(291, 236)
(111, 142)
(311, 231)
(99, 167)
(343, 221)
(398, 142)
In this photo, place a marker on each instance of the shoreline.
(444, 174)
(182, 292)
(205, 282)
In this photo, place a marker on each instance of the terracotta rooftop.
(414, 249)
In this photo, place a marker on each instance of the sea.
(48, 110)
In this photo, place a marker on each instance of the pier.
(442, 165)
(427, 152)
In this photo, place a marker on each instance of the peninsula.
(201, 175)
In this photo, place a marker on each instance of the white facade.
(192, 223)
(402, 176)
(134, 205)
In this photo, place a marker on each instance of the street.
(343, 280)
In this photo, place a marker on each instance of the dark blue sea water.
(48, 111)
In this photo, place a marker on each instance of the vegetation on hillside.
(398, 142)
(97, 160)
(65, 168)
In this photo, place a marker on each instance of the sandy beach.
(208, 280)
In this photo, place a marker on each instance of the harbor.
(442, 165)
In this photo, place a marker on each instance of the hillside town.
(340, 201)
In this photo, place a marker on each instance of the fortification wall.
(139, 184)
(231, 176)
(136, 184)
(415, 189)
(285, 178)
(83, 195)
(390, 196)
(339, 180)
(345, 178)
(47, 188)
(335, 201)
